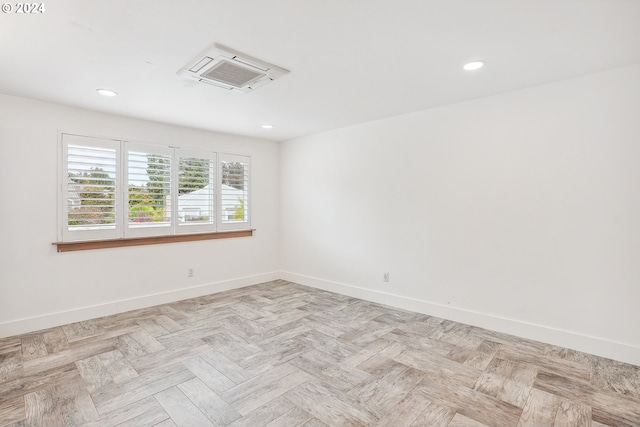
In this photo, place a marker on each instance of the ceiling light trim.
(476, 64)
(106, 92)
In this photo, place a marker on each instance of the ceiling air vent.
(231, 70)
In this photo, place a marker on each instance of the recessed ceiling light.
(106, 92)
(267, 126)
(473, 65)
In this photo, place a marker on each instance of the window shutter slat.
(90, 187)
(234, 191)
(196, 191)
(148, 189)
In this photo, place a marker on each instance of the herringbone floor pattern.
(281, 354)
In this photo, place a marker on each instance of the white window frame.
(145, 229)
(235, 225)
(64, 233)
(122, 227)
(185, 228)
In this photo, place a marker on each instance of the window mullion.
(174, 191)
(121, 199)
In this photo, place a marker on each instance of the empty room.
(320, 213)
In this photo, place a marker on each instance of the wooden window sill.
(153, 240)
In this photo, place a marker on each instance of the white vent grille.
(231, 74)
(231, 70)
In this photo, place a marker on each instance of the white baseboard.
(589, 344)
(50, 320)
(623, 352)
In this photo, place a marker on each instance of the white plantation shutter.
(148, 169)
(196, 191)
(112, 189)
(90, 188)
(234, 192)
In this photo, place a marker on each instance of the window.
(196, 191)
(148, 177)
(89, 188)
(234, 191)
(119, 189)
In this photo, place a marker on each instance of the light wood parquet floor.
(281, 354)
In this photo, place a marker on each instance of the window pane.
(234, 192)
(149, 181)
(91, 188)
(195, 191)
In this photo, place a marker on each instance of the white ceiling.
(351, 61)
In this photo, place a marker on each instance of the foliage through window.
(234, 190)
(114, 189)
(196, 196)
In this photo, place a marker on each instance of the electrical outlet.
(190, 272)
(385, 277)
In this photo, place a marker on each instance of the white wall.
(40, 288)
(518, 212)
